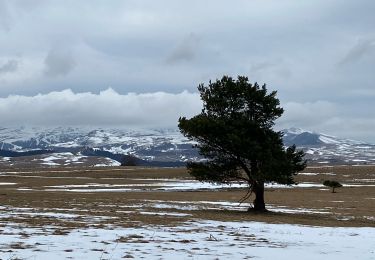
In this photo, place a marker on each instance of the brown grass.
(354, 206)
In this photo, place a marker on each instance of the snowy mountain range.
(158, 147)
(326, 149)
(155, 147)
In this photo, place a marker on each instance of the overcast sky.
(138, 63)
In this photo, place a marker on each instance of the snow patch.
(195, 239)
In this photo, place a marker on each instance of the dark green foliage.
(332, 184)
(234, 132)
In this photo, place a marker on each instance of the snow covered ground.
(171, 185)
(192, 240)
(166, 185)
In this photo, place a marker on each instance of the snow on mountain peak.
(329, 139)
(294, 131)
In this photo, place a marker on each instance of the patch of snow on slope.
(310, 151)
(328, 139)
(295, 131)
(108, 162)
(62, 158)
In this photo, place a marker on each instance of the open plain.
(162, 213)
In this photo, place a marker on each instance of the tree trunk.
(259, 204)
(258, 188)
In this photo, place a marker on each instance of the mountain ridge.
(164, 145)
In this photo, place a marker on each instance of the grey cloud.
(261, 66)
(11, 9)
(309, 114)
(59, 63)
(9, 66)
(330, 118)
(5, 18)
(263, 69)
(359, 51)
(185, 51)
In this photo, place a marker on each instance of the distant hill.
(159, 147)
(324, 149)
(153, 147)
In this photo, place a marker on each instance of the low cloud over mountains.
(159, 109)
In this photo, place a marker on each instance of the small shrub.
(332, 184)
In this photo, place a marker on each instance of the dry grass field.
(61, 201)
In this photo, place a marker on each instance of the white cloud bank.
(108, 108)
(161, 109)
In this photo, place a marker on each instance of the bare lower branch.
(247, 195)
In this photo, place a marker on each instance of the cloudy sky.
(138, 63)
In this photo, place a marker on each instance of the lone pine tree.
(234, 133)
